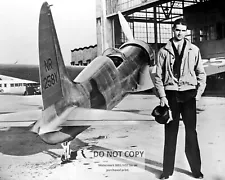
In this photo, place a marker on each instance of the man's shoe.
(198, 176)
(163, 176)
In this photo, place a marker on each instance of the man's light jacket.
(192, 73)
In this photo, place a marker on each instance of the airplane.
(76, 98)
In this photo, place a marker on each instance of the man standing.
(180, 81)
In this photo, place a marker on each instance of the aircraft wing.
(31, 72)
(27, 72)
(20, 119)
(78, 116)
(214, 66)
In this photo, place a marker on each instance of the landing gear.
(67, 152)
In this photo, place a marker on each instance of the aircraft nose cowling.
(148, 49)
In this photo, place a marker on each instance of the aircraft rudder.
(51, 65)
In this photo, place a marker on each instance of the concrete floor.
(24, 156)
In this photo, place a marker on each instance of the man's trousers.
(183, 103)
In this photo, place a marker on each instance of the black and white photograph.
(112, 89)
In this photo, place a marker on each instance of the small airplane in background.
(73, 101)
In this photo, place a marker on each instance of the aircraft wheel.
(63, 159)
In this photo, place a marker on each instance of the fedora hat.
(161, 114)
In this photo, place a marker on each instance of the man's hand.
(197, 98)
(164, 101)
(198, 95)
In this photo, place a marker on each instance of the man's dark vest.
(178, 59)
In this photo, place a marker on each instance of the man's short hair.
(179, 21)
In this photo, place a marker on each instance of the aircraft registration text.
(50, 80)
(48, 65)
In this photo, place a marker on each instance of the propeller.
(147, 74)
(125, 27)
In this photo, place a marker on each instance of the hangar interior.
(151, 21)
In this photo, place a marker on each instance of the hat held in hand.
(161, 114)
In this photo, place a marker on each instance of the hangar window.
(205, 33)
(5, 85)
(88, 61)
(164, 32)
(0, 85)
(11, 85)
(195, 36)
(220, 30)
(212, 32)
(80, 63)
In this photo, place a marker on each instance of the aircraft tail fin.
(52, 71)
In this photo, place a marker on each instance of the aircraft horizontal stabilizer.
(83, 116)
(20, 119)
(78, 116)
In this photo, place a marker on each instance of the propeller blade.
(125, 26)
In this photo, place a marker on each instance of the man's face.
(179, 31)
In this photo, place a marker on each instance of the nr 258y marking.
(50, 80)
